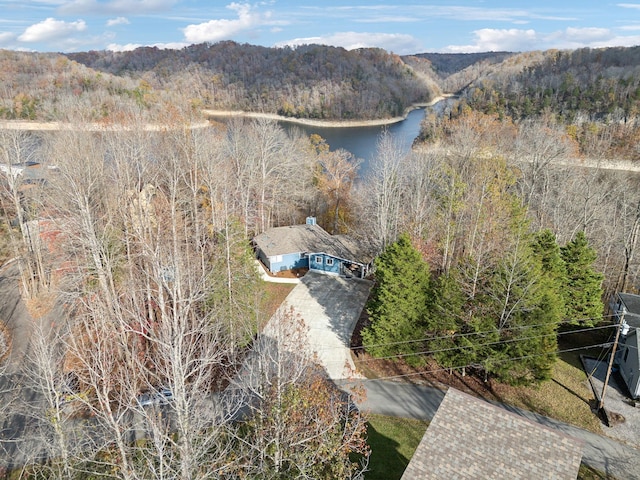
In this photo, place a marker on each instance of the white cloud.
(115, 7)
(112, 22)
(629, 5)
(517, 40)
(630, 27)
(587, 35)
(114, 47)
(388, 19)
(427, 11)
(222, 29)
(624, 41)
(6, 38)
(52, 29)
(393, 42)
(490, 39)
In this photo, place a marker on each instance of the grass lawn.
(274, 295)
(566, 397)
(392, 442)
(588, 473)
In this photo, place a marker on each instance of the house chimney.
(311, 220)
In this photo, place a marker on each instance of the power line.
(468, 334)
(461, 347)
(444, 369)
(455, 335)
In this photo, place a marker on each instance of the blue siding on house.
(286, 248)
(325, 263)
(287, 262)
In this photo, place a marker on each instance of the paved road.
(14, 313)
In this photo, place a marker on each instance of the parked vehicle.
(162, 396)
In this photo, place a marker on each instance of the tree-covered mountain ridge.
(312, 81)
(318, 82)
(594, 94)
(597, 85)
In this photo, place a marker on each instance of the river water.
(362, 141)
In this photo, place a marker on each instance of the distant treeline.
(599, 84)
(309, 81)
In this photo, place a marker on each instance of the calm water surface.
(361, 141)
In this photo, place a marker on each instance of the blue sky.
(402, 26)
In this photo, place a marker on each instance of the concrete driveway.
(330, 307)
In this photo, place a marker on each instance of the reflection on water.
(361, 141)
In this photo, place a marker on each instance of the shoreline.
(212, 114)
(89, 127)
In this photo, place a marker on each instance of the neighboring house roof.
(632, 304)
(306, 239)
(632, 341)
(629, 362)
(469, 438)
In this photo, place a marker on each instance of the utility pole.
(613, 353)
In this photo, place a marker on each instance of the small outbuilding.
(626, 308)
(469, 439)
(310, 246)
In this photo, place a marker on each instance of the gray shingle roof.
(632, 304)
(469, 438)
(306, 239)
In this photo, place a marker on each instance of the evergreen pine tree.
(528, 283)
(546, 248)
(583, 288)
(459, 334)
(398, 307)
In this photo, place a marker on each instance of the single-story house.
(469, 439)
(626, 308)
(310, 246)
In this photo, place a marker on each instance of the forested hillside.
(311, 81)
(497, 233)
(597, 84)
(455, 71)
(595, 93)
(50, 87)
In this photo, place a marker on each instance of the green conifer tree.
(583, 288)
(398, 307)
(526, 285)
(460, 334)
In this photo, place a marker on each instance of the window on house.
(329, 261)
(318, 260)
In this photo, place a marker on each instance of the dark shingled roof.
(469, 438)
(632, 304)
(307, 239)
